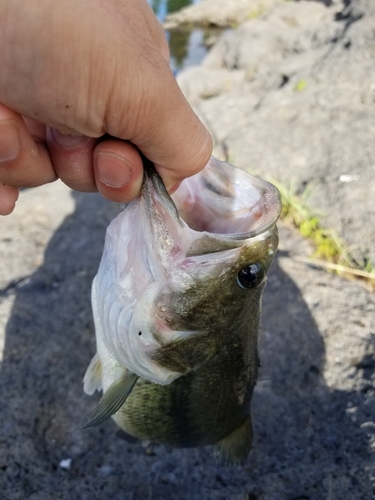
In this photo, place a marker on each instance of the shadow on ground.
(306, 446)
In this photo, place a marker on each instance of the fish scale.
(177, 344)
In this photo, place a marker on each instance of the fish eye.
(251, 276)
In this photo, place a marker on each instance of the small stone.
(66, 463)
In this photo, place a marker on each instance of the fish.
(176, 304)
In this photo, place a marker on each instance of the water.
(164, 7)
(187, 47)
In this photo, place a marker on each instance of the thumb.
(182, 146)
(162, 124)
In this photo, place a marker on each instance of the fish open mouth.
(226, 201)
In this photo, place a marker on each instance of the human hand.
(71, 72)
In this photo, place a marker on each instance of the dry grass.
(330, 252)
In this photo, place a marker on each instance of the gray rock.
(305, 112)
(203, 83)
(219, 13)
(283, 32)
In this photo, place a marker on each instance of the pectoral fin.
(92, 380)
(235, 447)
(113, 399)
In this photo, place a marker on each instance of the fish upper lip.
(270, 203)
(272, 207)
(263, 209)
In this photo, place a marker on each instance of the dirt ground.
(313, 407)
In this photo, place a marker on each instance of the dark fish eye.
(251, 275)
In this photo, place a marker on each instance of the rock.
(203, 83)
(306, 110)
(287, 30)
(219, 13)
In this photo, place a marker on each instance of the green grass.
(300, 85)
(330, 252)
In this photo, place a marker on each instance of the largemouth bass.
(176, 304)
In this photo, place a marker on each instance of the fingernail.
(67, 140)
(10, 145)
(113, 170)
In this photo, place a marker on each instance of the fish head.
(219, 284)
(182, 277)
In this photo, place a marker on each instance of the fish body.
(176, 305)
